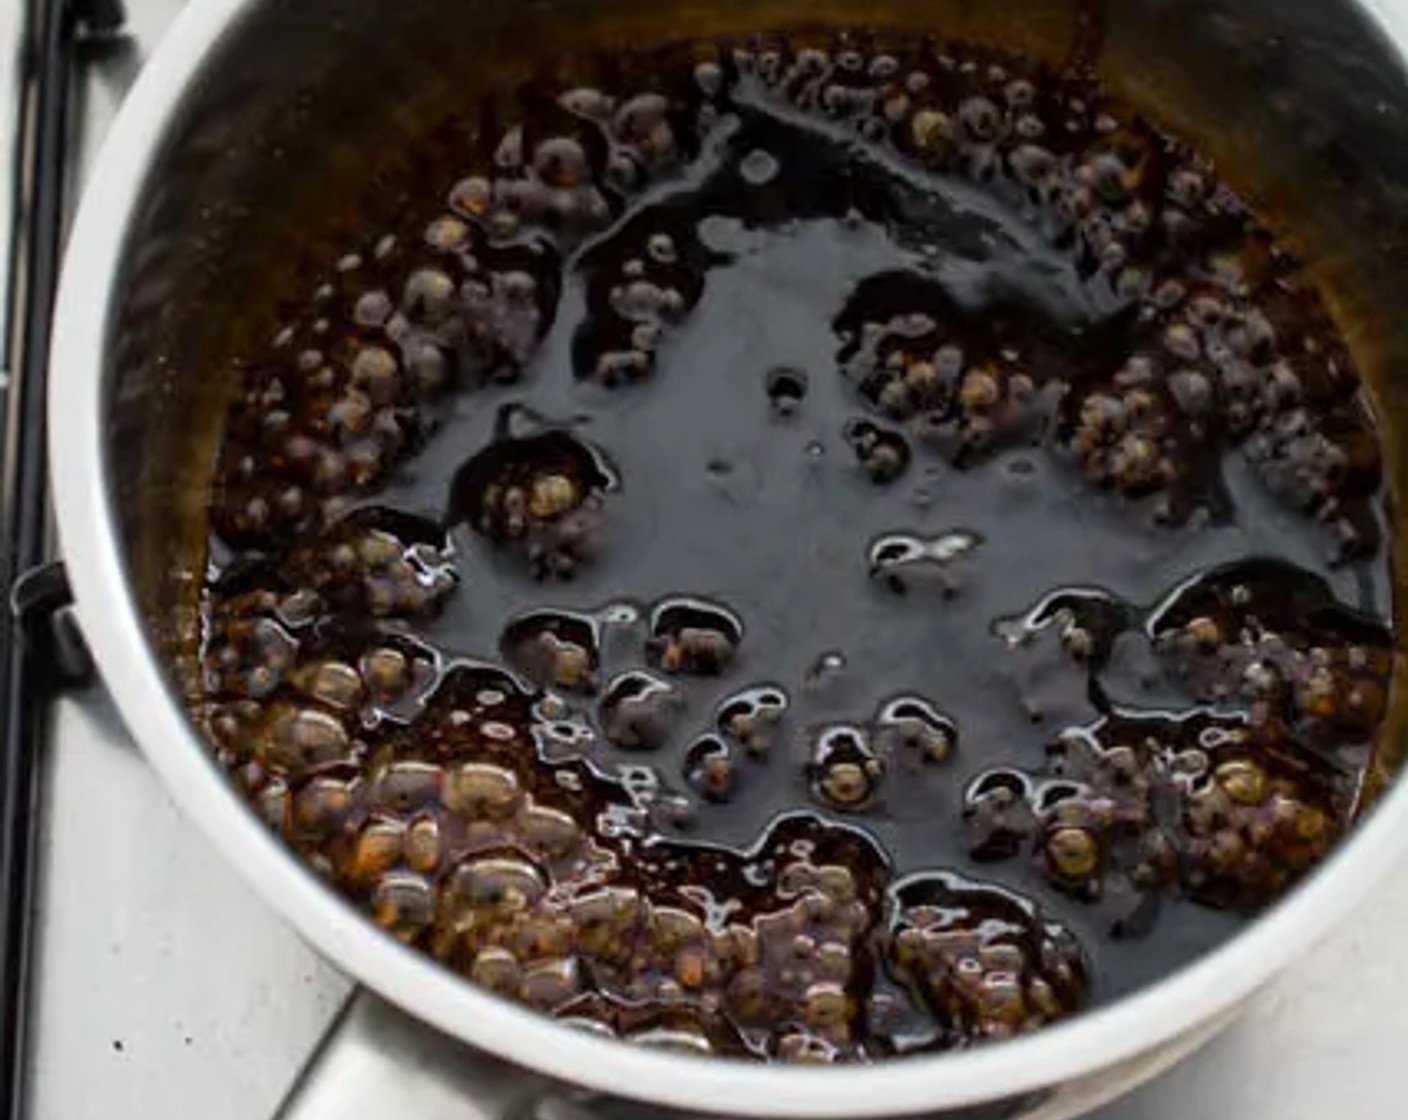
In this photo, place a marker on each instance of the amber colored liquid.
(821, 550)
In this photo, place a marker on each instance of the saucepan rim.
(111, 621)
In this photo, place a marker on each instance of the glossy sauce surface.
(823, 549)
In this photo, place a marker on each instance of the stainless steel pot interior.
(292, 139)
(291, 133)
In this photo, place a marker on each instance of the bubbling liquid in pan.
(822, 550)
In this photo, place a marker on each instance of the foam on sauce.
(822, 550)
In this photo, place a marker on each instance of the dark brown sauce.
(821, 551)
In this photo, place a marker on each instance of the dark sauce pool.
(821, 550)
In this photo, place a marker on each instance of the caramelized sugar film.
(817, 550)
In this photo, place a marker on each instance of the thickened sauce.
(821, 550)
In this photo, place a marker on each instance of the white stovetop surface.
(165, 988)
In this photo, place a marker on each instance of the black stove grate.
(29, 669)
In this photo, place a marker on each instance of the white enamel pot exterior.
(134, 260)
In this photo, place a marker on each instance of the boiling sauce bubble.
(710, 769)
(845, 767)
(786, 389)
(542, 495)
(913, 723)
(984, 960)
(751, 717)
(902, 561)
(557, 649)
(882, 453)
(637, 710)
(782, 347)
(694, 637)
